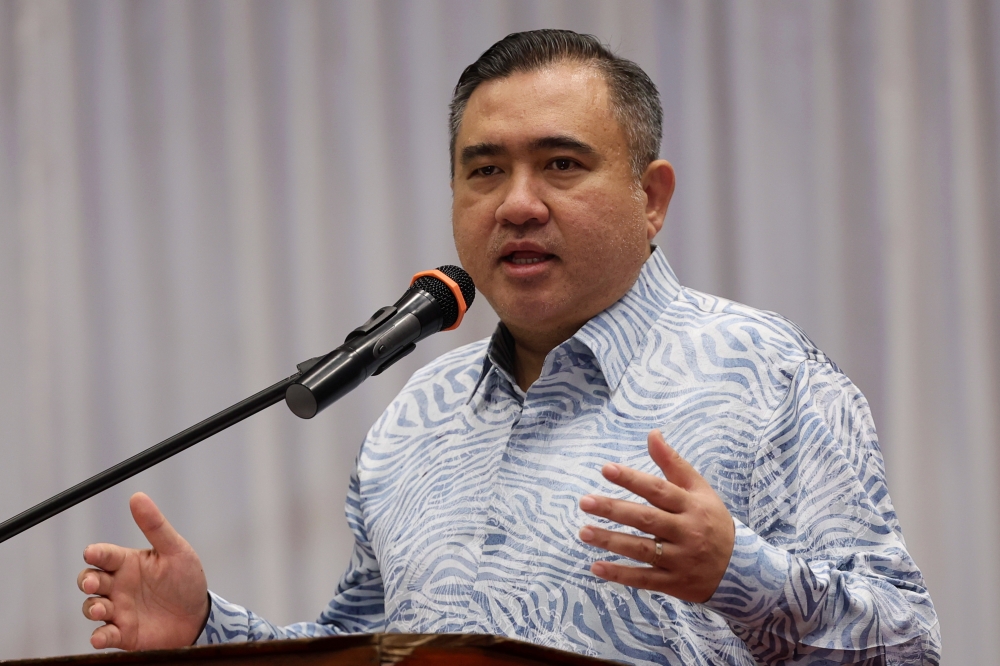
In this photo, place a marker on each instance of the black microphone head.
(441, 293)
(464, 282)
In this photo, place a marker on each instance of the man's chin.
(535, 316)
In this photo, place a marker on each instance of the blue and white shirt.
(464, 501)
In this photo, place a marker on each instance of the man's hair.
(633, 97)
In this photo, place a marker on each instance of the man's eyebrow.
(470, 153)
(556, 142)
(562, 143)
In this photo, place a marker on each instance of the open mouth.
(523, 258)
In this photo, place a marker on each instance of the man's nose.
(521, 203)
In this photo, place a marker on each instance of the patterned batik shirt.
(465, 499)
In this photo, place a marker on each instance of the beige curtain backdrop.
(194, 196)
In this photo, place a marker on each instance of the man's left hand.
(688, 520)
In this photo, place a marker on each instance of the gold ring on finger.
(658, 553)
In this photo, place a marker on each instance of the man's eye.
(563, 164)
(488, 170)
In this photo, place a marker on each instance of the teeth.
(533, 260)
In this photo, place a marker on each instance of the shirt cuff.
(227, 623)
(755, 580)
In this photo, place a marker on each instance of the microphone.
(436, 301)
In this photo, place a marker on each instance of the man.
(764, 534)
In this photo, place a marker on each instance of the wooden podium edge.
(373, 649)
(222, 652)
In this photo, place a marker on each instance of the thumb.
(160, 533)
(677, 470)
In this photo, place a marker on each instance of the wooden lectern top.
(366, 649)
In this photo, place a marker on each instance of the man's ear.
(658, 183)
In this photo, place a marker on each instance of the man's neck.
(530, 350)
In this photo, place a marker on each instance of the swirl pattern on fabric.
(464, 501)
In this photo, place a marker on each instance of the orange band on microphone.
(455, 289)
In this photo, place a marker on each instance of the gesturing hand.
(687, 518)
(155, 598)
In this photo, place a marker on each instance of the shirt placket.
(500, 519)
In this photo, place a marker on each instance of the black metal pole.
(149, 457)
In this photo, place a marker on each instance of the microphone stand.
(151, 456)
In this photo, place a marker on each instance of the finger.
(647, 578)
(108, 636)
(650, 520)
(99, 609)
(659, 492)
(94, 581)
(677, 470)
(638, 548)
(160, 533)
(105, 556)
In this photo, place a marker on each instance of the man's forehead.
(532, 108)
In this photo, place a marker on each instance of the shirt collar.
(615, 335)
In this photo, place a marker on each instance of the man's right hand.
(148, 599)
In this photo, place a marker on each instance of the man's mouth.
(525, 260)
(522, 258)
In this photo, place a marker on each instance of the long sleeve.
(821, 574)
(357, 606)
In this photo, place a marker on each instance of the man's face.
(548, 217)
